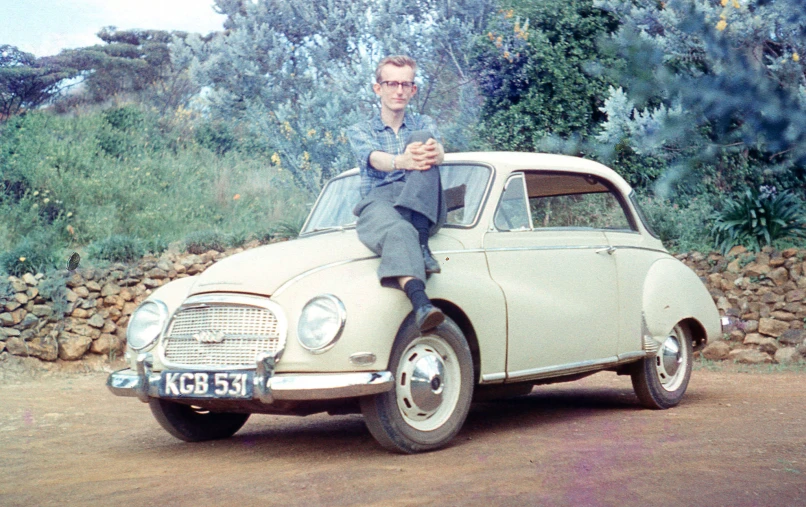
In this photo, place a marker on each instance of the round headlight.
(146, 324)
(321, 323)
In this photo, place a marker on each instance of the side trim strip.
(493, 378)
(580, 367)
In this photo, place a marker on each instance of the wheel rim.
(671, 362)
(428, 383)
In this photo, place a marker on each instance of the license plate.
(207, 384)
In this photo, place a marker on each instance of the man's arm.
(417, 157)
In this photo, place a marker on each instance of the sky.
(45, 27)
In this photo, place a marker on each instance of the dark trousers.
(384, 223)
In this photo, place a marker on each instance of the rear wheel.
(432, 394)
(660, 381)
(195, 424)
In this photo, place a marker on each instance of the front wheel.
(195, 424)
(660, 381)
(433, 389)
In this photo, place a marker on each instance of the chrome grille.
(246, 331)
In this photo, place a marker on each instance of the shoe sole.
(433, 320)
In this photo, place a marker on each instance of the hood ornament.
(209, 336)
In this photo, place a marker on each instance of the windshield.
(464, 186)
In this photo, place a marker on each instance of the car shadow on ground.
(347, 435)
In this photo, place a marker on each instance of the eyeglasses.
(393, 85)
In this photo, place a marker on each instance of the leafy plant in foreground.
(758, 218)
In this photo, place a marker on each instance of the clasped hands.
(421, 156)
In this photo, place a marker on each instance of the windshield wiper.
(332, 228)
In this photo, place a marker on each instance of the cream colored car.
(549, 273)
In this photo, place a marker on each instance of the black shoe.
(428, 317)
(431, 264)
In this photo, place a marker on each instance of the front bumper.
(268, 386)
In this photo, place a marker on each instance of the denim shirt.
(373, 135)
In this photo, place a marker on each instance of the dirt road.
(737, 439)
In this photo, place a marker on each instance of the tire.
(433, 390)
(194, 424)
(660, 381)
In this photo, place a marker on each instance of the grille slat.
(247, 331)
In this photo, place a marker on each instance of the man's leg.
(423, 226)
(421, 204)
(381, 228)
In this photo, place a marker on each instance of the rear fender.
(672, 294)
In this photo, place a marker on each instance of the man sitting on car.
(398, 152)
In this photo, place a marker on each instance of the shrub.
(117, 248)
(199, 242)
(680, 227)
(35, 253)
(759, 217)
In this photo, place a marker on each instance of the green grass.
(701, 364)
(69, 182)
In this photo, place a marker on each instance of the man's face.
(395, 99)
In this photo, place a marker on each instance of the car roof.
(507, 161)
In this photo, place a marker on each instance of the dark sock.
(423, 226)
(415, 290)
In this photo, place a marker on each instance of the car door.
(548, 251)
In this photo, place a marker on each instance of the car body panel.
(561, 296)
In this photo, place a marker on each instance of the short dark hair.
(397, 61)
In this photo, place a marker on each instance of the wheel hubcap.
(671, 361)
(427, 383)
(671, 357)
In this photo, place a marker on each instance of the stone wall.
(763, 296)
(89, 316)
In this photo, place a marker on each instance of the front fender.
(673, 293)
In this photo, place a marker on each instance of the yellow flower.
(724, 3)
(311, 132)
(236, 197)
(22, 259)
(275, 158)
(721, 25)
(46, 200)
(69, 214)
(736, 4)
(796, 57)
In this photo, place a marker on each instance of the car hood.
(264, 269)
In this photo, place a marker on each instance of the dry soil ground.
(737, 439)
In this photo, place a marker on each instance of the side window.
(575, 201)
(512, 213)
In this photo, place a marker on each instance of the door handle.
(609, 250)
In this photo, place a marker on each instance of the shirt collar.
(378, 124)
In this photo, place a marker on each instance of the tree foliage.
(152, 64)
(27, 82)
(298, 73)
(541, 72)
(715, 89)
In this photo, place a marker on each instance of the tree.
(716, 89)
(298, 73)
(26, 82)
(150, 63)
(541, 72)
